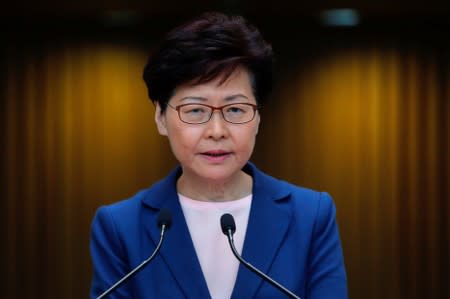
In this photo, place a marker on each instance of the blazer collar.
(177, 251)
(263, 184)
(267, 226)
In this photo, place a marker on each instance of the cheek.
(182, 140)
(247, 138)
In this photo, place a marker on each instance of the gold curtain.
(79, 132)
(368, 125)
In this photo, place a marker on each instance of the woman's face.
(216, 150)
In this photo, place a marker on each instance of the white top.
(219, 265)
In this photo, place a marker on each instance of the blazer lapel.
(269, 220)
(267, 225)
(177, 250)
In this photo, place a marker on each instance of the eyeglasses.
(236, 113)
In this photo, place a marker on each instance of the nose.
(217, 127)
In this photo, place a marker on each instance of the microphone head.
(164, 218)
(227, 223)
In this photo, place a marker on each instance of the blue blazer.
(292, 236)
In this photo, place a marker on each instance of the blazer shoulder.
(123, 211)
(304, 194)
(311, 203)
(128, 203)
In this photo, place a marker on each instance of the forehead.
(239, 82)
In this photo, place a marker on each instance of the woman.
(207, 81)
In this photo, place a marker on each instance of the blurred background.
(360, 109)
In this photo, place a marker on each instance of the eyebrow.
(193, 98)
(234, 96)
(228, 98)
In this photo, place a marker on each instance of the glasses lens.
(194, 113)
(238, 113)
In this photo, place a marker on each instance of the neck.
(197, 188)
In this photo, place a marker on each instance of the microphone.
(229, 228)
(164, 222)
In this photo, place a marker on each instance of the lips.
(215, 153)
(216, 156)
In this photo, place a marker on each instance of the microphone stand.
(139, 267)
(255, 270)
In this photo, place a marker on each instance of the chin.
(217, 175)
(217, 172)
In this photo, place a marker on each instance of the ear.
(160, 120)
(257, 125)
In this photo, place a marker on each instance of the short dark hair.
(205, 48)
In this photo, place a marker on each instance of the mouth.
(214, 154)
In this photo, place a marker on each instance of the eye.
(234, 110)
(194, 109)
(237, 109)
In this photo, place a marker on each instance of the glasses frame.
(178, 107)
